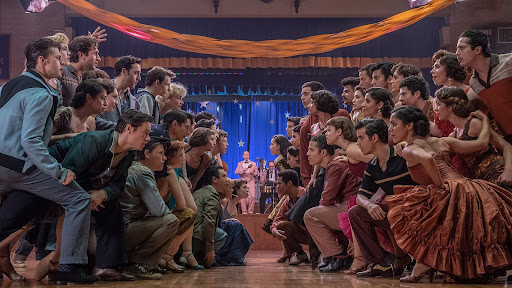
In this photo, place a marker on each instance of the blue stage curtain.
(250, 123)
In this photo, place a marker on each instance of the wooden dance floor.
(261, 271)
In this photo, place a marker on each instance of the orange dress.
(463, 229)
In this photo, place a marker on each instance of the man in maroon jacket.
(282, 228)
(322, 221)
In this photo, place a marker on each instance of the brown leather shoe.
(110, 274)
(375, 270)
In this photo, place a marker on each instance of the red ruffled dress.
(463, 229)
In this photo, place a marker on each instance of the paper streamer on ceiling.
(249, 49)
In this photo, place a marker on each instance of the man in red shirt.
(322, 221)
(282, 228)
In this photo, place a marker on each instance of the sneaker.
(141, 272)
(18, 263)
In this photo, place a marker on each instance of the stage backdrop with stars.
(250, 125)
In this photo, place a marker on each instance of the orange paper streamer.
(248, 49)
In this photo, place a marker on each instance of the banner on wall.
(5, 45)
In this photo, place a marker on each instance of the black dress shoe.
(338, 264)
(110, 274)
(78, 276)
(325, 261)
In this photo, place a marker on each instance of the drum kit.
(269, 193)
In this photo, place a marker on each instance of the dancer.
(448, 223)
(488, 164)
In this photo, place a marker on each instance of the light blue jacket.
(26, 128)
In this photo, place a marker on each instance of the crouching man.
(101, 160)
(149, 224)
(207, 237)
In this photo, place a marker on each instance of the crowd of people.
(403, 178)
(109, 185)
(113, 186)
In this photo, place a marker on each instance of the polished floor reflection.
(261, 271)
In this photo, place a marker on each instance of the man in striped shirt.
(385, 171)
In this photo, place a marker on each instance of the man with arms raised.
(85, 56)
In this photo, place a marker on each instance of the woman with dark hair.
(279, 146)
(197, 160)
(240, 191)
(89, 99)
(292, 158)
(448, 222)
(290, 123)
(447, 72)
(102, 77)
(357, 104)
(378, 103)
(488, 164)
(323, 105)
(295, 140)
(95, 122)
